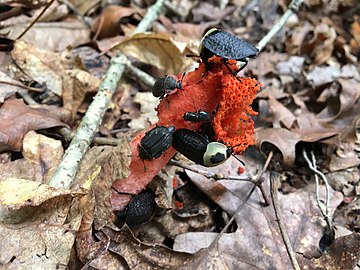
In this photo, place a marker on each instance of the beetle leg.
(245, 61)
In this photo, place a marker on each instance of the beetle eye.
(217, 158)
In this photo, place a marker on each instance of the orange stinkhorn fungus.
(202, 90)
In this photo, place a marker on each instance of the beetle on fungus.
(198, 149)
(155, 142)
(227, 46)
(166, 85)
(198, 116)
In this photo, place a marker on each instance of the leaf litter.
(309, 99)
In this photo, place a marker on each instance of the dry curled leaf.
(155, 49)
(17, 119)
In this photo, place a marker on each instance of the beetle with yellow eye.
(227, 46)
(198, 149)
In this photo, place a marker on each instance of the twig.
(23, 86)
(68, 134)
(233, 217)
(312, 165)
(139, 74)
(76, 12)
(36, 19)
(27, 98)
(68, 167)
(293, 8)
(90, 123)
(255, 180)
(209, 174)
(274, 182)
(151, 15)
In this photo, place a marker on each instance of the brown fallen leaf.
(53, 36)
(17, 119)
(348, 97)
(282, 138)
(257, 243)
(43, 66)
(321, 46)
(155, 49)
(7, 90)
(44, 154)
(34, 226)
(109, 20)
(77, 83)
(344, 253)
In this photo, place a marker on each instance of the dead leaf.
(77, 83)
(7, 90)
(348, 97)
(208, 12)
(192, 32)
(44, 153)
(257, 243)
(321, 46)
(83, 6)
(109, 20)
(34, 228)
(283, 117)
(43, 66)
(148, 114)
(155, 49)
(323, 75)
(54, 36)
(344, 253)
(139, 255)
(283, 139)
(17, 119)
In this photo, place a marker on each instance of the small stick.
(151, 15)
(325, 212)
(68, 134)
(67, 169)
(274, 182)
(233, 217)
(36, 19)
(216, 176)
(292, 9)
(23, 86)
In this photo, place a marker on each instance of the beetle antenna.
(192, 55)
(242, 162)
(230, 149)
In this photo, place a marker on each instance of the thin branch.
(68, 167)
(68, 134)
(257, 181)
(23, 86)
(36, 19)
(274, 182)
(293, 8)
(151, 15)
(233, 217)
(76, 12)
(325, 212)
(89, 125)
(209, 174)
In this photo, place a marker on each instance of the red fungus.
(208, 90)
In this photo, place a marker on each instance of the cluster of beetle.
(190, 143)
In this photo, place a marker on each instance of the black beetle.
(227, 46)
(198, 116)
(166, 85)
(155, 142)
(139, 211)
(198, 149)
